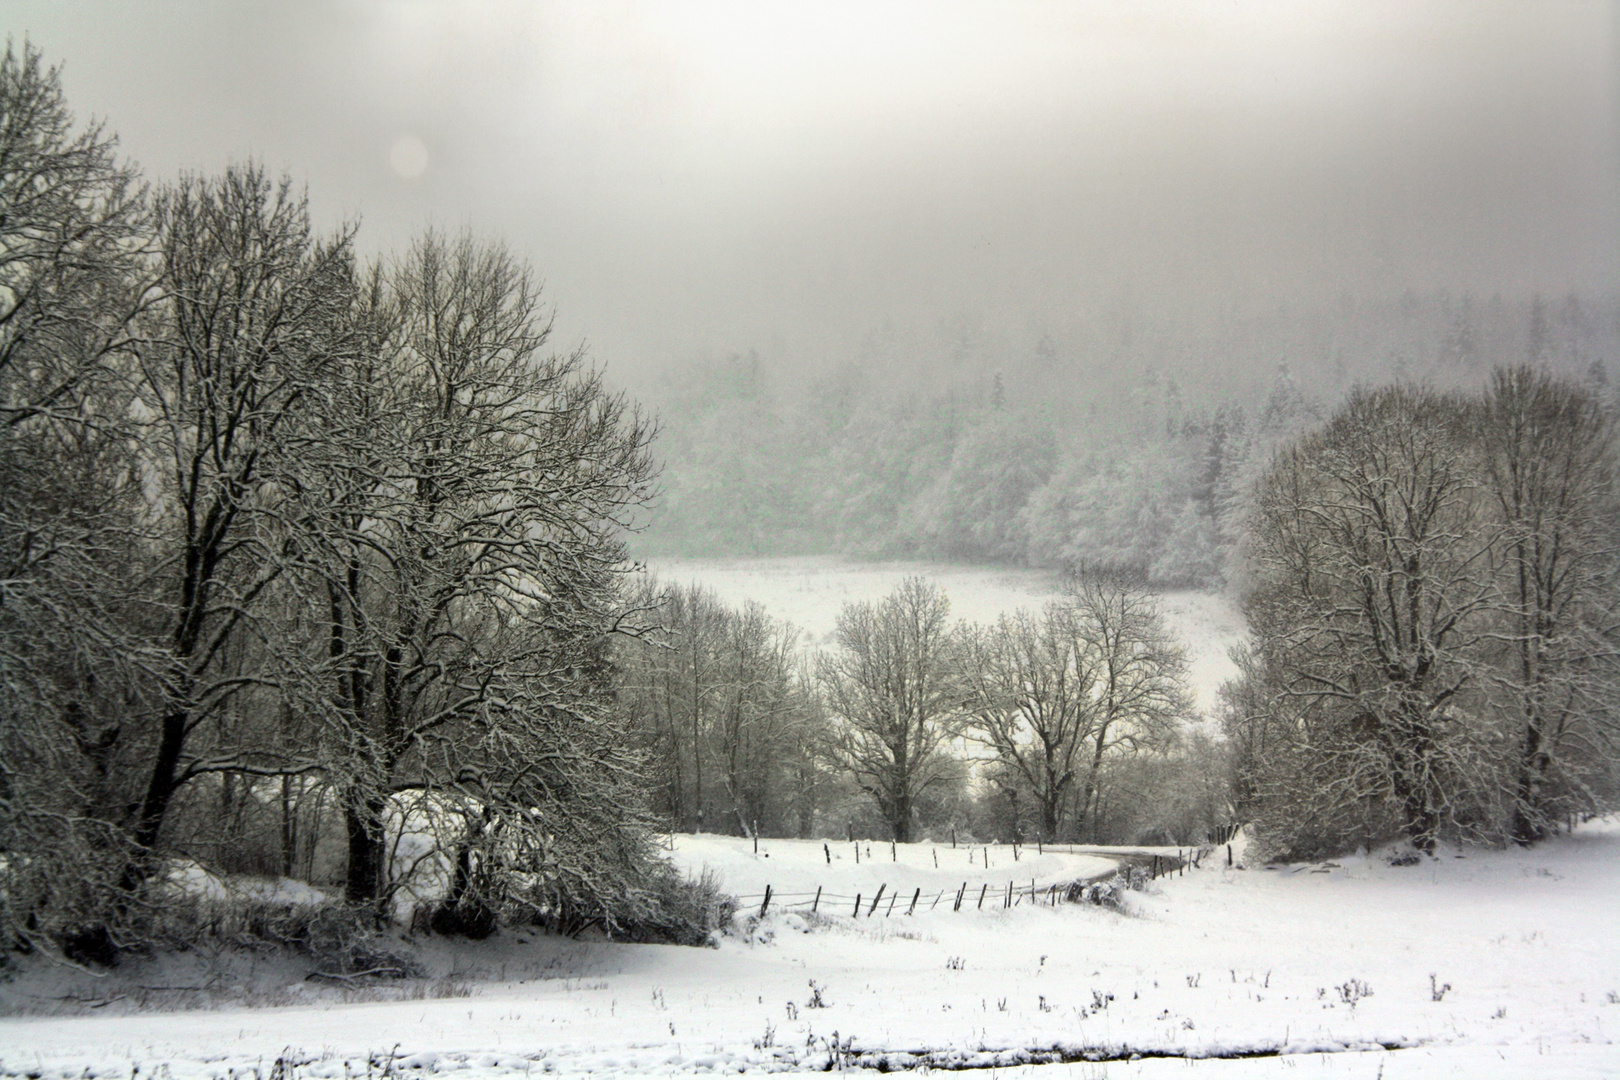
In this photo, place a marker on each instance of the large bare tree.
(1139, 672)
(1548, 450)
(252, 310)
(74, 271)
(1374, 560)
(892, 686)
(465, 533)
(1031, 688)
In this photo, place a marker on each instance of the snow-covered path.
(1326, 958)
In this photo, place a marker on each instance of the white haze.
(697, 179)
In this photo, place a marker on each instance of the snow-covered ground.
(795, 869)
(809, 591)
(1329, 964)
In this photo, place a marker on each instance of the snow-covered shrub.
(684, 910)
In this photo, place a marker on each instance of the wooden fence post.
(857, 904)
(827, 851)
(892, 898)
(914, 897)
(817, 901)
(764, 907)
(982, 890)
(875, 900)
(959, 894)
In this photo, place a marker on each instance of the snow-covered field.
(1326, 965)
(794, 869)
(809, 591)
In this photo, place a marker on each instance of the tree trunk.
(159, 793)
(289, 828)
(1527, 827)
(363, 822)
(900, 819)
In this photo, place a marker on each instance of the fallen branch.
(383, 972)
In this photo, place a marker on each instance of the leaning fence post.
(892, 898)
(857, 904)
(875, 900)
(914, 897)
(937, 898)
(766, 905)
(817, 901)
(959, 894)
(827, 851)
(982, 890)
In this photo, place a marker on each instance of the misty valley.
(1138, 682)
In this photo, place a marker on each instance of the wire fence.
(1133, 871)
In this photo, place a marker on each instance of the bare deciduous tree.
(892, 687)
(715, 691)
(1033, 695)
(251, 310)
(1376, 584)
(73, 272)
(1548, 449)
(468, 574)
(1139, 671)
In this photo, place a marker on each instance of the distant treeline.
(1125, 449)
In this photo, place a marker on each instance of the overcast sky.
(702, 178)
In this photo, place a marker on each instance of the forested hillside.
(1125, 444)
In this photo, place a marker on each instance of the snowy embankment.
(1477, 964)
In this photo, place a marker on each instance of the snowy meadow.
(1472, 964)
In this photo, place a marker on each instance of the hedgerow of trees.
(286, 536)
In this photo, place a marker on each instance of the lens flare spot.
(408, 157)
